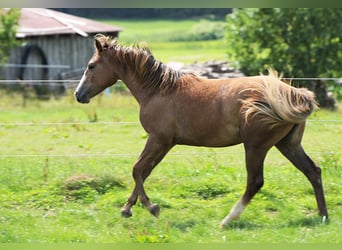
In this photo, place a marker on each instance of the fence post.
(24, 92)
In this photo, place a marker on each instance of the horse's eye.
(91, 66)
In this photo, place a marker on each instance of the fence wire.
(38, 82)
(134, 154)
(42, 124)
(33, 81)
(71, 83)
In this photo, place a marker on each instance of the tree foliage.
(8, 25)
(297, 42)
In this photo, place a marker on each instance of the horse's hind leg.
(296, 154)
(255, 180)
(152, 154)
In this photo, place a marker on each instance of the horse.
(179, 108)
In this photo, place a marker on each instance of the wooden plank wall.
(73, 51)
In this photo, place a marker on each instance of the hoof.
(325, 219)
(155, 210)
(126, 213)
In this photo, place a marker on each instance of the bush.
(295, 42)
(8, 25)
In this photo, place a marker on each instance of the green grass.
(195, 187)
(135, 30)
(159, 36)
(66, 170)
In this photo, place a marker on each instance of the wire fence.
(56, 82)
(72, 83)
(52, 82)
(51, 85)
(191, 152)
(27, 124)
(66, 123)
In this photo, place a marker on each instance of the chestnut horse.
(178, 108)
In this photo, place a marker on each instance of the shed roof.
(43, 22)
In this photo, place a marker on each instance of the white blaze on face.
(81, 92)
(80, 84)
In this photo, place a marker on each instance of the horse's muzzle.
(81, 98)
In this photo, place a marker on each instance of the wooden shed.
(55, 45)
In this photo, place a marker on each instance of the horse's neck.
(135, 82)
(137, 89)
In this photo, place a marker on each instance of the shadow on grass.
(311, 222)
(242, 224)
(307, 222)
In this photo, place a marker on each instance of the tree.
(296, 42)
(8, 25)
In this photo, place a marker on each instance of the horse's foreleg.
(152, 154)
(299, 158)
(255, 180)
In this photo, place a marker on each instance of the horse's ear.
(98, 45)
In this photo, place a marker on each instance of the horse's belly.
(210, 137)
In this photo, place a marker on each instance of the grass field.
(159, 35)
(41, 201)
(66, 172)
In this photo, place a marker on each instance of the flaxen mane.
(156, 75)
(275, 101)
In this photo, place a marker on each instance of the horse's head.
(99, 73)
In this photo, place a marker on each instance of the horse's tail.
(275, 101)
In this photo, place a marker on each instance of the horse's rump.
(275, 101)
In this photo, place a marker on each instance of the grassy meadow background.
(172, 40)
(66, 169)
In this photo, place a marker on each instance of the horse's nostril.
(78, 97)
(81, 98)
